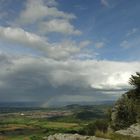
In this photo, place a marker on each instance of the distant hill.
(74, 104)
(19, 104)
(67, 105)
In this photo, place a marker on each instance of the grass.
(22, 128)
(25, 128)
(3, 138)
(60, 125)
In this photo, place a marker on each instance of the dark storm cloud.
(37, 78)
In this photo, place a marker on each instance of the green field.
(14, 126)
(79, 119)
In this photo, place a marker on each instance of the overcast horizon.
(57, 51)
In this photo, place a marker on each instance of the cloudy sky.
(56, 51)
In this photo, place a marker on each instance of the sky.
(68, 51)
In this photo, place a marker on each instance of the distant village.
(39, 114)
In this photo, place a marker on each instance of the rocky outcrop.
(72, 137)
(133, 130)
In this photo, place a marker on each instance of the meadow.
(23, 123)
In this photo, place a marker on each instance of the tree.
(135, 81)
(127, 108)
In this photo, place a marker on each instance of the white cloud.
(67, 49)
(99, 44)
(61, 50)
(85, 56)
(105, 3)
(132, 31)
(125, 44)
(131, 43)
(51, 2)
(36, 10)
(46, 17)
(20, 36)
(59, 25)
(85, 43)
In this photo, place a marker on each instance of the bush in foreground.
(100, 125)
(127, 109)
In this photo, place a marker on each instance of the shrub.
(100, 125)
(36, 138)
